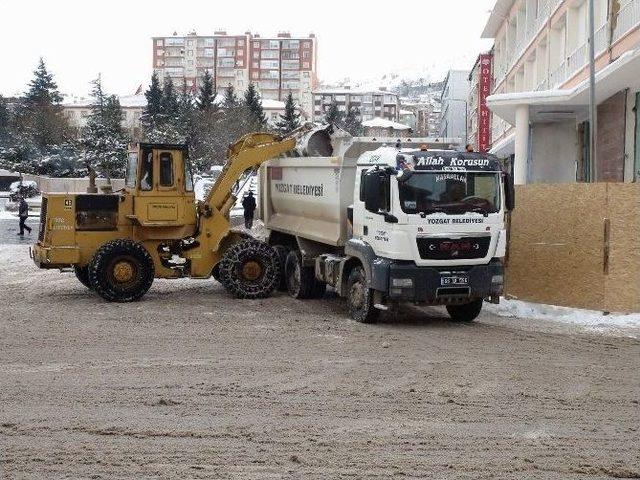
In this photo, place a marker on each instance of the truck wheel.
(82, 274)
(300, 279)
(249, 269)
(318, 289)
(465, 313)
(282, 253)
(360, 298)
(121, 271)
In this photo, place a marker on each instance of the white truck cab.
(395, 224)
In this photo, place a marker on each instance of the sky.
(360, 40)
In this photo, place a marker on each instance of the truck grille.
(43, 218)
(453, 248)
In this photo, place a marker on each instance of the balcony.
(516, 49)
(628, 18)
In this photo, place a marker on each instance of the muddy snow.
(190, 383)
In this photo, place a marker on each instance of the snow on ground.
(589, 319)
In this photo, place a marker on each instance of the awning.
(557, 104)
(504, 147)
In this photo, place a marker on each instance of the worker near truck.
(249, 206)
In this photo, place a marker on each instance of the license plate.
(454, 280)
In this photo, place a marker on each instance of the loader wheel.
(82, 274)
(249, 269)
(121, 271)
(360, 298)
(282, 253)
(465, 313)
(300, 279)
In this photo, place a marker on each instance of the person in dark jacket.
(249, 205)
(23, 213)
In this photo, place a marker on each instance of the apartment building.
(371, 103)
(479, 115)
(454, 105)
(276, 65)
(540, 97)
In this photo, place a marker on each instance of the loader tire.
(360, 298)
(121, 271)
(82, 274)
(300, 279)
(250, 269)
(465, 313)
(282, 253)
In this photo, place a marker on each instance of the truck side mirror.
(373, 190)
(509, 192)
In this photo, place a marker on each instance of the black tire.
(249, 269)
(300, 279)
(121, 271)
(318, 289)
(465, 313)
(215, 273)
(282, 253)
(82, 274)
(360, 297)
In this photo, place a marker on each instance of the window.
(166, 169)
(208, 42)
(146, 171)
(305, 64)
(188, 176)
(256, 44)
(208, 52)
(270, 54)
(132, 165)
(159, 42)
(267, 64)
(306, 54)
(306, 45)
(190, 43)
(241, 43)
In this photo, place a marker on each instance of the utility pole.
(593, 107)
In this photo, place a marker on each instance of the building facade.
(276, 65)
(479, 115)
(454, 105)
(371, 103)
(540, 99)
(78, 111)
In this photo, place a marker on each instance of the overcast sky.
(358, 39)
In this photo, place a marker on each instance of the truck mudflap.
(430, 285)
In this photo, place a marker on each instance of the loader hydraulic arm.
(249, 152)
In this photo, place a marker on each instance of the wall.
(576, 245)
(77, 185)
(611, 138)
(554, 152)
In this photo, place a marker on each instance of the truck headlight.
(402, 282)
(497, 279)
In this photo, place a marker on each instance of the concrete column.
(521, 145)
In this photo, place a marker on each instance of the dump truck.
(118, 243)
(388, 221)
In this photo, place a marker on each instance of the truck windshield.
(450, 192)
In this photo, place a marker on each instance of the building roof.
(346, 91)
(126, 101)
(384, 123)
(406, 112)
(499, 14)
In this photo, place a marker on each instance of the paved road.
(191, 383)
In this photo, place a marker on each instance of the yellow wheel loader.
(154, 228)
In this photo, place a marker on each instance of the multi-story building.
(78, 111)
(276, 65)
(454, 98)
(371, 103)
(478, 114)
(541, 93)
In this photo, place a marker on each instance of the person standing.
(249, 205)
(23, 213)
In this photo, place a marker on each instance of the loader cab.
(160, 180)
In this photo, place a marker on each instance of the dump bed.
(308, 197)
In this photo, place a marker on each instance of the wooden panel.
(622, 285)
(557, 246)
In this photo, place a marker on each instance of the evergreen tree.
(353, 122)
(254, 104)
(230, 98)
(4, 121)
(291, 118)
(103, 141)
(169, 103)
(333, 114)
(150, 117)
(206, 94)
(41, 115)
